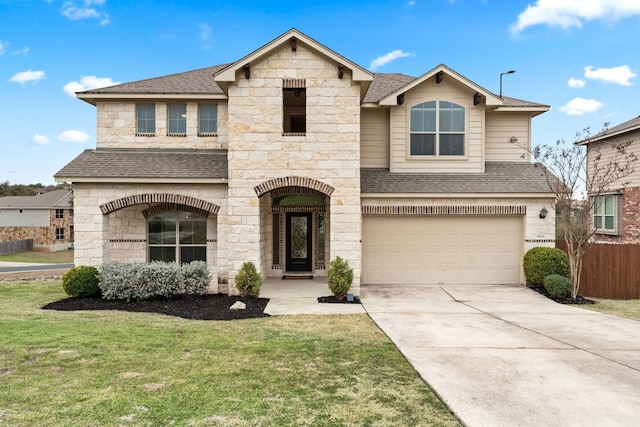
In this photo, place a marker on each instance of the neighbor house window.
(59, 213)
(437, 129)
(605, 210)
(177, 114)
(294, 106)
(146, 119)
(177, 237)
(59, 233)
(207, 120)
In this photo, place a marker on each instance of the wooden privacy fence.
(14, 246)
(609, 271)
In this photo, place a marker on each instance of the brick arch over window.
(293, 181)
(162, 202)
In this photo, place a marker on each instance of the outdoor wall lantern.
(543, 213)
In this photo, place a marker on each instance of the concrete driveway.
(507, 356)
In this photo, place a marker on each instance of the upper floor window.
(177, 114)
(207, 120)
(605, 210)
(59, 213)
(177, 237)
(146, 119)
(294, 106)
(437, 129)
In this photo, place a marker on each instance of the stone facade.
(44, 238)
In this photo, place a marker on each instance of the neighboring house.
(46, 218)
(616, 213)
(294, 155)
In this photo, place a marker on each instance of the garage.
(465, 250)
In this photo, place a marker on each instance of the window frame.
(150, 122)
(211, 120)
(177, 119)
(60, 233)
(437, 131)
(59, 213)
(176, 244)
(600, 214)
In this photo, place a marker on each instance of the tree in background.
(576, 183)
(7, 189)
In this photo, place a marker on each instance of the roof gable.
(293, 36)
(621, 129)
(491, 99)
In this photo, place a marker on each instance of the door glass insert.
(299, 237)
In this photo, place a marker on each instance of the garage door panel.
(442, 250)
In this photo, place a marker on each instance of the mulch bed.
(578, 300)
(200, 307)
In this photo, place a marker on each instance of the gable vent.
(294, 84)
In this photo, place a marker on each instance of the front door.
(299, 242)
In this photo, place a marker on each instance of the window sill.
(294, 134)
(606, 232)
(181, 135)
(206, 135)
(419, 158)
(145, 134)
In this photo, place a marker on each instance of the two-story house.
(46, 218)
(616, 213)
(294, 155)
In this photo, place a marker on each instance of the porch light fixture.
(477, 98)
(247, 71)
(439, 76)
(502, 74)
(543, 213)
(340, 71)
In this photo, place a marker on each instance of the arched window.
(177, 237)
(437, 129)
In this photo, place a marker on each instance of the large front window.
(177, 236)
(604, 214)
(437, 129)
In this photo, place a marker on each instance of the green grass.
(629, 309)
(61, 257)
(136, 369)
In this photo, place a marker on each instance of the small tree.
(248, 280)
(340, 277)
(576, 176)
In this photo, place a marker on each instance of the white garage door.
(442, 250)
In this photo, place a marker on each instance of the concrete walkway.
(507, 356)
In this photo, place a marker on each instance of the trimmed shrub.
(81, 281)
(248, 280)
(540, 262)
(340, 277)
(558, 286)
(139, 281)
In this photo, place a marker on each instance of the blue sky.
(579, 56)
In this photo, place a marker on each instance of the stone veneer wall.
(122, 234)
(328, 152)
(117, 127)
(629, 215)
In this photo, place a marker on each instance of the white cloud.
(40, 139)
(580, 106)
(2, 47)
(27, 76)
(88, 83)
(87, 10)
(573, 13)
(411, 3)
(205, 31)
(618, 75)
(74, 136)
(23, 51)
(576, 82)
(388, 57)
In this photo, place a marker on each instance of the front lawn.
(60, 257)
(133, 369)
(629, 308)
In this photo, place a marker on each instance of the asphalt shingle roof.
(198, 81)
(498, 178)
(44, 200)
(629, 125)
(169, 164)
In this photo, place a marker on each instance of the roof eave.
(149, 180)
(608, 135)
(93, 98)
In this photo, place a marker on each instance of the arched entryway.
(295, 226)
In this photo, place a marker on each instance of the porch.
(300, 296)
